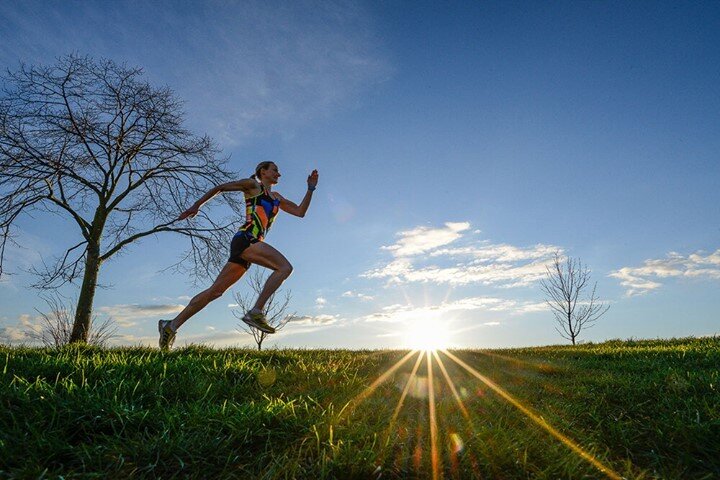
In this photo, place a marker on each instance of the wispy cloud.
(407, 313)
(314, 319)
(646, 278)
(244, 68)
(320, 302)
(181, 298)
(127, 315)
(422, 255)
(422, 239)
(358, 295)
(23, 251)
(19, 331)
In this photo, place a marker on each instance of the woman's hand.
(312, 180)
(189, 213)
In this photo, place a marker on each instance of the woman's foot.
(167, 334)
(256, 319)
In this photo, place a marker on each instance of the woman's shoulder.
(252, 188)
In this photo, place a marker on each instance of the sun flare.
(427, 334)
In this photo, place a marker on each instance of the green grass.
(645, 409)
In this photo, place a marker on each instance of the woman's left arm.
(299, 210)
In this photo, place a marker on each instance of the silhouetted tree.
(564, 284)
(95, 143)
(274, 308)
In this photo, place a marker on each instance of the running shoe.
(258, 321)
(167, 335)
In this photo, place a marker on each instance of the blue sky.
(458, 146)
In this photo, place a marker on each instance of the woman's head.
(267, 171)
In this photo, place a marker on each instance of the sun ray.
(517, 362)
(536, 418)
(452, 388)
(359, 398)
(471, 429)
(398, 407)
(447, 295)
(434, 457)
(405, 391)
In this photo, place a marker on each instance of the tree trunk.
(259, 345)
(83, 310)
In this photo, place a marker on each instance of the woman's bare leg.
(230, 274)
(266, 256)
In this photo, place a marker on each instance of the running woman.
(247, 247)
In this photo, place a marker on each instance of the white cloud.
(19, 332)
(320, 302)
(500, 252)
(408, 313)
(644, 279)
(422, 239)
(181, 298)
(499, 274)
(420, 258)
(126, 315)
(314, 320)
(361, 296)
(531, 307)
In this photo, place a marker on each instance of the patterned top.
(260, 212)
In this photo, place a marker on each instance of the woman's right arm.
(244, 185)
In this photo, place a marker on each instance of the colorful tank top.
(260, 212)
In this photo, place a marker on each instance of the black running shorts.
(240, 242)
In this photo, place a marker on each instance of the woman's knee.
(285, 269)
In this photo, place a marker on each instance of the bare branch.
(563, 287)
(56, 325)
(94, 142)
(275, 308)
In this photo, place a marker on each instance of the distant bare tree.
(274, 308)
(95, 143)
(564, 285)
(55, 329)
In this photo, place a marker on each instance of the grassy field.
(633, 409)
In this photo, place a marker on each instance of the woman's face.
(271, 174)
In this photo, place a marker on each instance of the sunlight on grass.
(536, 418)
(541, 412)
(352, 404)
(427, 347)
(433, 420)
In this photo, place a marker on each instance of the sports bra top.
(260, 212)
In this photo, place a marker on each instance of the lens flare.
(427, 334)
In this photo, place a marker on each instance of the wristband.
(311, 189)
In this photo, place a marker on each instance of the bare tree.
(564, 284)
(55, 329)
(274, 308)
(95, 143)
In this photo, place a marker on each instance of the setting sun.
(427, 334)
